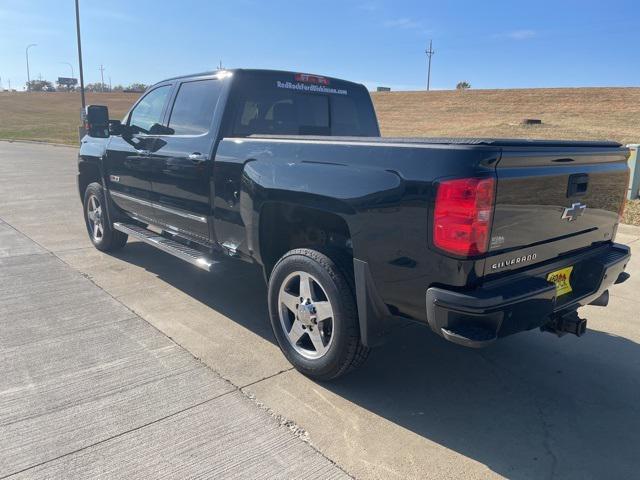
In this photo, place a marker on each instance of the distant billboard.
(67, 81)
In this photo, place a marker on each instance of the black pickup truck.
(476, 238)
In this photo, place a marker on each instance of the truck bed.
(493, 142)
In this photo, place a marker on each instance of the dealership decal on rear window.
(310, 88)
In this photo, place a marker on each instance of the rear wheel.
(100, 231)
(313, 314)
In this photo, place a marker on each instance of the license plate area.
(562, 280)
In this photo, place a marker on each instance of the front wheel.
(313, 314)
(101, 233)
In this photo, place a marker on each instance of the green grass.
(52, 117)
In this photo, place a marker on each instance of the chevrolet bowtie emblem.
(573, 212)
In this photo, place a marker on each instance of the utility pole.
(27, 55)
(429, 53)
(80, 54)
(101, 78)
(110, 83)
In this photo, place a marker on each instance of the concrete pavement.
(532, 406)
(88, 389)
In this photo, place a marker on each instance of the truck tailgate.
(554, 200)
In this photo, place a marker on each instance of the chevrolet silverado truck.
(356, 233)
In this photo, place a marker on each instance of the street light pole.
(27, 55)
(80, 54)
(71, 67)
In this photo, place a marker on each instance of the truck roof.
(211, 73)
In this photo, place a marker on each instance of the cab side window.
(193, 108)
(148, 112)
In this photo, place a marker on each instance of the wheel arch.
(88, 172)
(284, 226)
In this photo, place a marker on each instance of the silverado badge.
(573, 212)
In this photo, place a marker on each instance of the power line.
(430, 54)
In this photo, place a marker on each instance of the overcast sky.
(491, 44)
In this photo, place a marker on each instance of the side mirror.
(96, 121)
(116, 127)
(157, 129)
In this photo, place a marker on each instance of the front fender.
(90, 168)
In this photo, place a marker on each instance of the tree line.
(47, 86)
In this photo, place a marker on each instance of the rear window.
(269, 104)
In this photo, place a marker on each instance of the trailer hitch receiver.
(568, 322)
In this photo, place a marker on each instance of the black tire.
(345, 352)
(105, 238)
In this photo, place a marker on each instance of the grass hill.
(566, 113)
(569, 113)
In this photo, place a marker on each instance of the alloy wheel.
(306, 314)
(94, 217)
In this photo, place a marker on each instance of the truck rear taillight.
(462, 215)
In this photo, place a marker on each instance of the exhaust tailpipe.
(566, 323)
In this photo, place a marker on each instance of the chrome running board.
(183, 252)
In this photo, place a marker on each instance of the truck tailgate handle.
(578, 183)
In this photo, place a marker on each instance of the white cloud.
(369, 7)
(403, 23)
(518, 34)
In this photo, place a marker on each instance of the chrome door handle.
(197, 157)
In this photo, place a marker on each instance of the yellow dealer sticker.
(562, 279)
